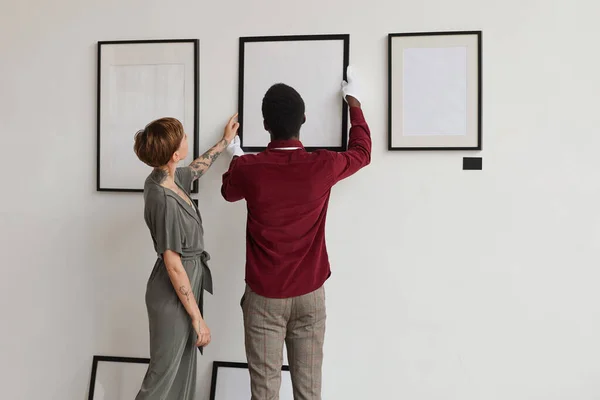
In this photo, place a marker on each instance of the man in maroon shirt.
(287, 192)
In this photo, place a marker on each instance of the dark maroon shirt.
(287, 193)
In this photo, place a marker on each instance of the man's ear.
(265, 125)
(304, 119)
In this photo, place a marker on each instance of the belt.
(207, 282)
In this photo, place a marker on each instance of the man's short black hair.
(283, 111)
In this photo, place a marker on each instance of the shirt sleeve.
(232, 187)
(185, 177)
(358, 155)
(166, 226)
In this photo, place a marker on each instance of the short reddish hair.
(156, 143)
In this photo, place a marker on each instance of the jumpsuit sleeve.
(185, 177)
(166, 227)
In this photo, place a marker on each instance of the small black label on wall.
(472, 163)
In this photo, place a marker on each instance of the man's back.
(287, 192)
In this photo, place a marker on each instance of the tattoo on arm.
(200, 165)
(186, 292)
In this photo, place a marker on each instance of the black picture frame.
(228, 364)
(479, 36)
(196, 119)
(290, 38)
(100, 358)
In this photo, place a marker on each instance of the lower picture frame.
(116, 378)
(231, 381)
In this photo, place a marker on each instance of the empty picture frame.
(117, 378)
(315, 66)
(138, 82)
(434, 91)
(231, 381)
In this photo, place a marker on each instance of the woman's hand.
(202, 331)
(231, 129)
(200, 165)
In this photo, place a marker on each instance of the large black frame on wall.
(129, 97)
(423, 116)
(302, 67)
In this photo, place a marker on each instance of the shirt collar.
(277, 144)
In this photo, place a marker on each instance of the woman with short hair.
(175, 288)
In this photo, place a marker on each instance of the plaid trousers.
(297, 321)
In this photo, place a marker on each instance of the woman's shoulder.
(158, 200)
(154, 192)
(151, 186)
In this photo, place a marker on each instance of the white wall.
(447, 284)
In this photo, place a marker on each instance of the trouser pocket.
(244, 296)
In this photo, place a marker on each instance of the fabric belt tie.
(206, 280)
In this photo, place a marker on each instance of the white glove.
(234, 149)
(350, 88)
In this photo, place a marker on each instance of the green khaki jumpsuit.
(177, 226)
